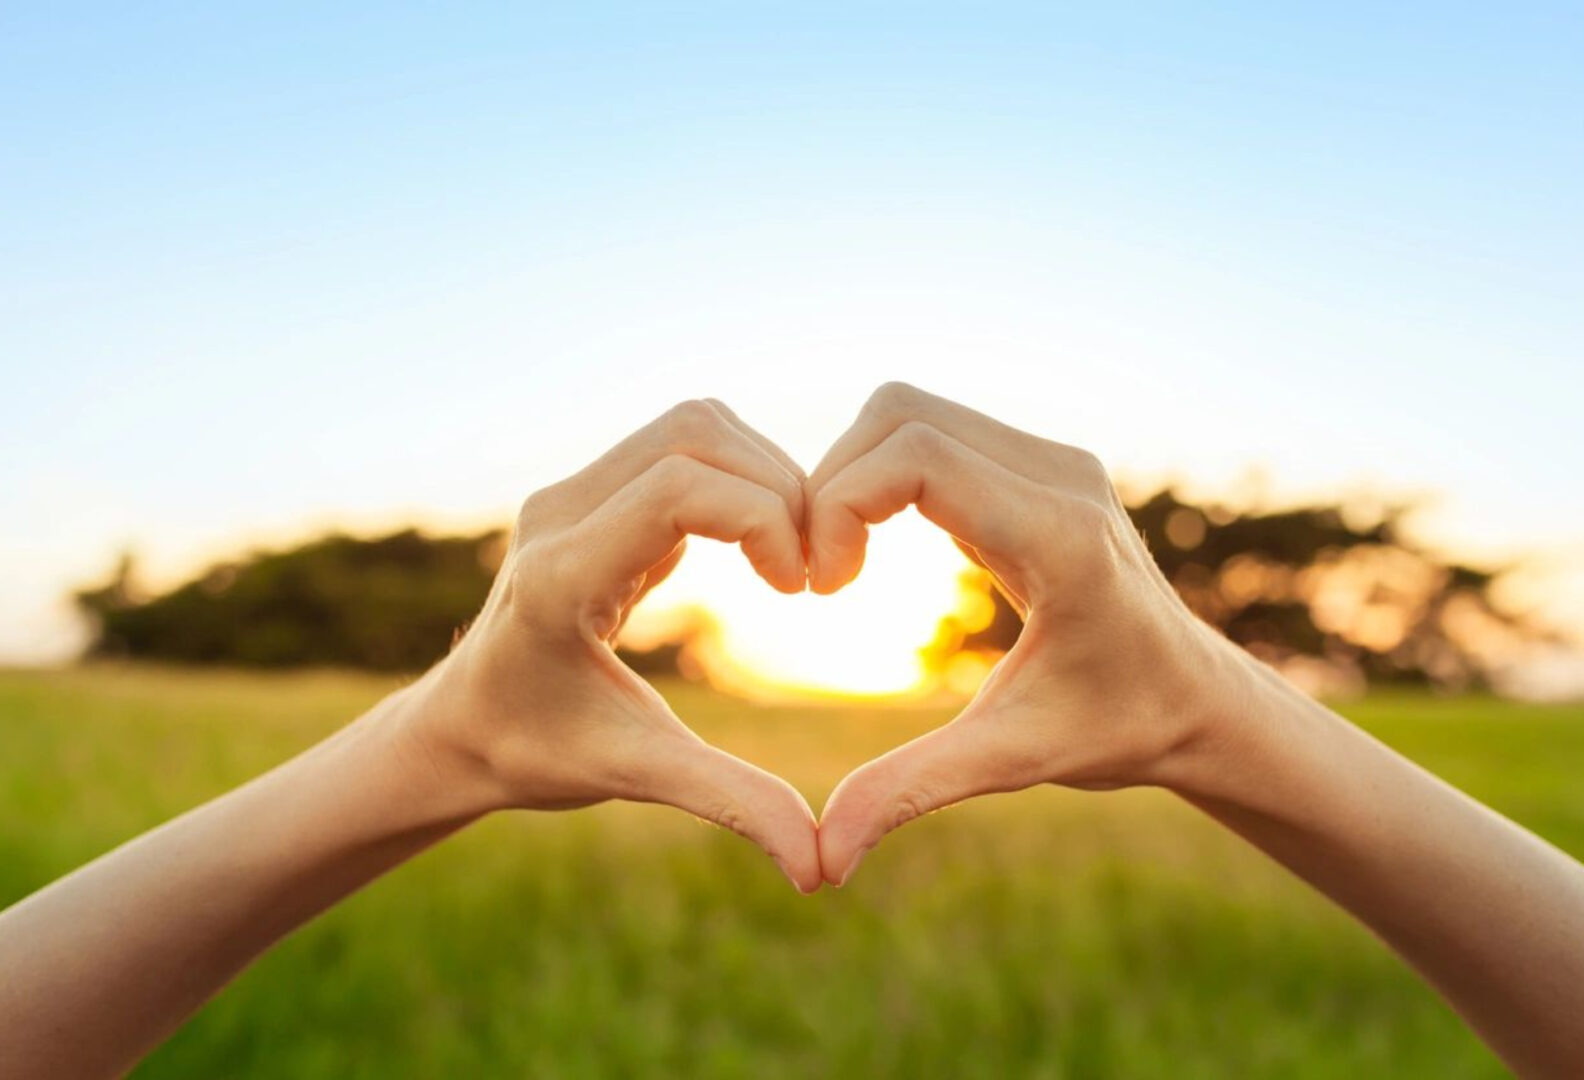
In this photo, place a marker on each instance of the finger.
(769, 447)
(1019, 605)
(711, 784)
(652, 577)
(971, 497)
(642, 524)
(660, 571)
(693, 429)
(1044, 462)
(935, 770)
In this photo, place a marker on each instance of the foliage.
(1291, 585)
(1308, 584)
(388, 604)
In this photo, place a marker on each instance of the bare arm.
(105, 963)
(532, 709)
(1113, 683)
(1489, 913)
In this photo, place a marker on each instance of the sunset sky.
(268, 274)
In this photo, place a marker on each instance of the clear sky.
(263, 273)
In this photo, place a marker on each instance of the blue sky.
(265, 272)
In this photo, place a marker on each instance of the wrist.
(1240, 714)
(428, 727)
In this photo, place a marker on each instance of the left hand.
(533, 704)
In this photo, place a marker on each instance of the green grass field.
(1050, 934)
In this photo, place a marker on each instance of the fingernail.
(858, 858)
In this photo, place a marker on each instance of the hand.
(1113, 682)
(533, 702)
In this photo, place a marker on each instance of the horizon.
(749, 640)
(350, 271)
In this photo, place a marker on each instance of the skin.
(1114, 683)
(531, 710)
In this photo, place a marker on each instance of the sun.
(866, 640)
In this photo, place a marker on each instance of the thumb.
(711, 784)
(935, 770)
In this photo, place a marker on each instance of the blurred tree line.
(394, 603)
(1310, 589)
(1336, 599)
(389, 604)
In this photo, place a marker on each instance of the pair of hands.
(1112, 683)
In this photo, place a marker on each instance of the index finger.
(642, 524)
(974, 499)
(704, 430)
(753, 433)
(894, 404)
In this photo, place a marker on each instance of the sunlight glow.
(867, 640)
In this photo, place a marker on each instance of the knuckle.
(894, 398)
(691, 422)
(770, 528)
(918, 439)
(535, 511)
(1087, 469)
(906, 806)
(538, 569)
(1087, 531)
(672, 475)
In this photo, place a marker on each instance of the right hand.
(1112, 682)
(533, 704)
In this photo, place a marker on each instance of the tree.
(1307, 586)
(389, 604)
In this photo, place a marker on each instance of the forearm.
(1486, 911)
(105, 963)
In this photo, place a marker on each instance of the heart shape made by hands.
(1046, 522)
(1095, 693)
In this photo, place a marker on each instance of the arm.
(532, 709)
(1489, 913)
(1113, 683)
(105, 963)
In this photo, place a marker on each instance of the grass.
(1046, 934)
